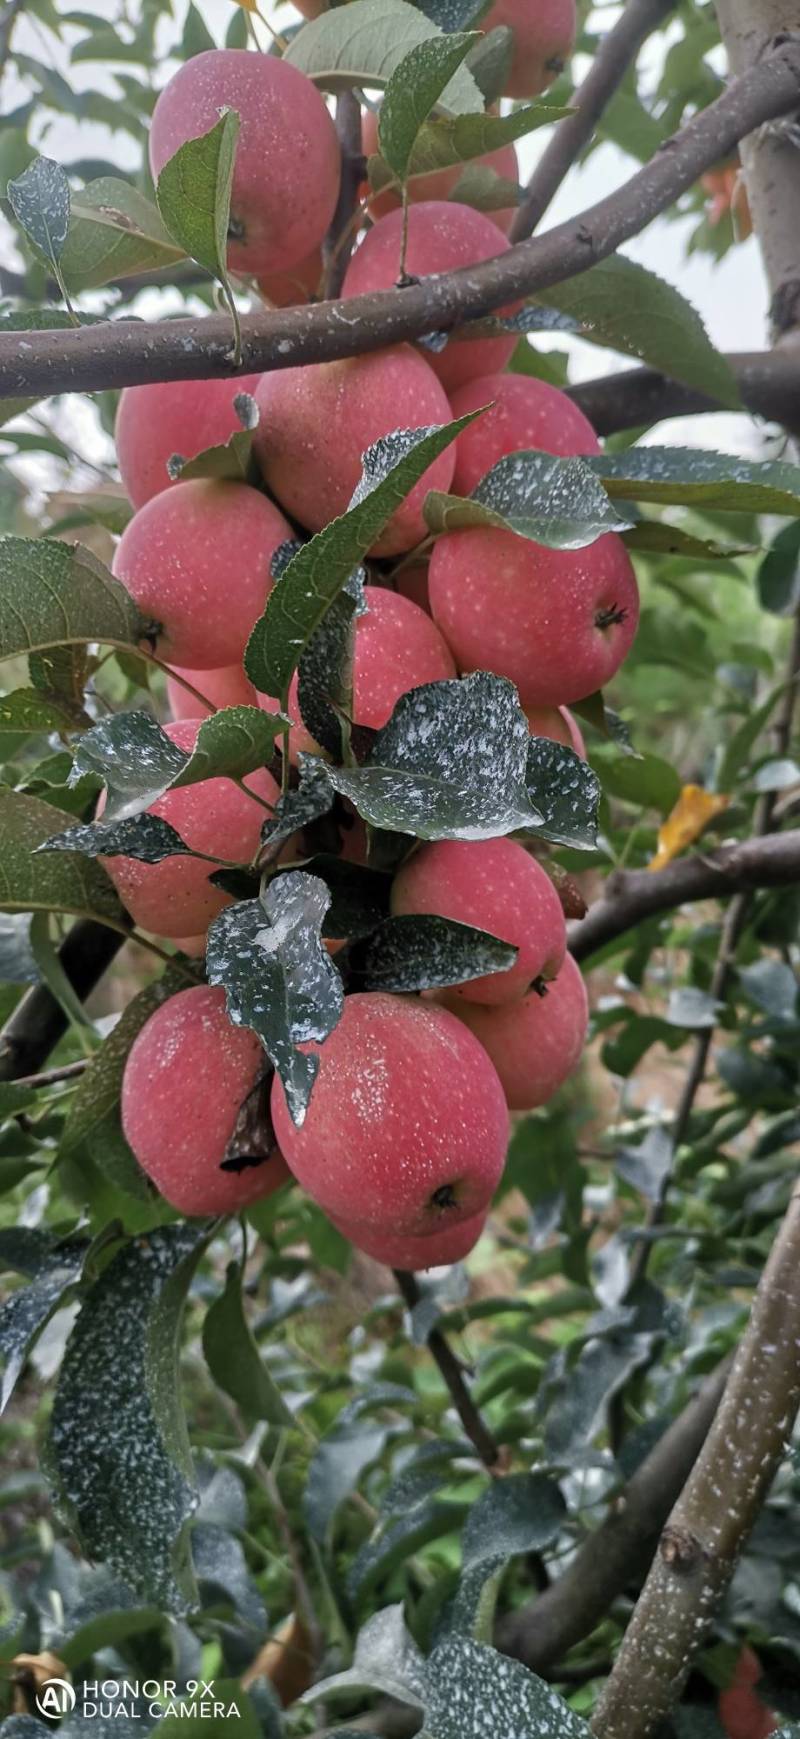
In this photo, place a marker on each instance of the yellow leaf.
(247, 5)
(691, 815)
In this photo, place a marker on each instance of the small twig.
(450, 1369)
(339, 241)
(720, 1502)
(616, 52)
(50, 1077)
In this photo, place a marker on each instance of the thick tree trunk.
(770, 157)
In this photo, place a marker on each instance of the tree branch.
(341, 235)
(631, 896)
(720, 1502)
(450, 1369)
(39, 1021)
(121, 353)
(620, 1550)
(616, 52)
(769, 382)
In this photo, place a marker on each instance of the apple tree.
(399, 892)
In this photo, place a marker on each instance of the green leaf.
(386, 1659)
(54, 1269)
(278, 978)
(319, 571)
(425, 952)
(229, 461)
(644, 779)
(138, 762)
(39, 199)
(621, 305)
(413, 91)
(778, 577)
(364, 44)
(234, 1360)
(58, 594)
(472, 1690)
(523, 1513)
(118, 1447)
(114, 232)
(694, 477)
(325, 671)
(554, 501)
(394, 1542)
(566, 793)
(299, 806)
(27, 713)
(448, 140)
(480, 186)
(34, 882)
(450, 764)
(194, 194)
(93, 1124)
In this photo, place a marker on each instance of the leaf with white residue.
(138, 762)
(39, 199)
(118, 1448)
(278, 978)
(53, 1269)
(421, 951)
(557, 502)
(566, 792)
(147, 838)
(450, 764)
(473, 1692)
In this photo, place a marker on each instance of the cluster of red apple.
(405, 1137)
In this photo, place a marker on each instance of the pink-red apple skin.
(495, 885)
(288, 166)
(535, 1044)
(196, 560)
(301, 283)
(187, 1075)
(438, 1250)
(397, 648)
(524, 413)
(317, 422)
(557, 723)
(558, 623)
(442, 235)
(175, 898)
(407, 1125)
(169, 417)
(544, 36)
(225, 687)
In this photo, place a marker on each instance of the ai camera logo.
(55, 1697)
